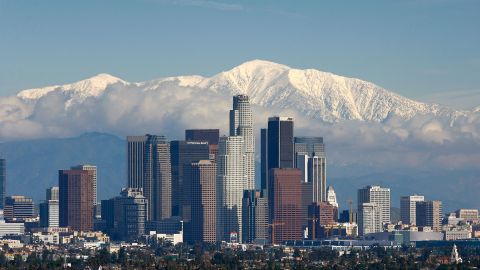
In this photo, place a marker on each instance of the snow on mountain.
(93, 86)
(316, 94)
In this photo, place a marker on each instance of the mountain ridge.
(316, 94)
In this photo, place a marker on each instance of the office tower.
(157, 185)
(135, 160)
(125, 215)
(310, 157)
(202, 227)
(92, 168)
(52, 193)
(263, 158)
(231, 182)
(307, 199)
(241, 124)
(3, 181)
(49, 213)
(320, 214)
(284, 203)
(370, 219)
(332, 196)
(429, 214)
(255, 217)
(378, 195)
(18, 208)
(184, 153)
(76, 199)
(201, 135)
(408, 208)
(280, 143)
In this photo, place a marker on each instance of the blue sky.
(424, 49)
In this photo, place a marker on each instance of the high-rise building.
(310, 157)
(157, 185)
(332, 196)
(201, 135)
(378, 195)
(18, 208)
(277, 149)
(370, 219)
(231, 182)
(202, 227)
(135, 160)
(284, 203)
(255, 217)
(52, 194)
(49, 214)
(3, 181)
(408, 208)
(76, 199)
(92, 168)
(429, 214)
(184, 153)
(470, 215)
(125, 215)
(241, 124)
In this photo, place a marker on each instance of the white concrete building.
(408, 208)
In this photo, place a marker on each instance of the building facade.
(135, 160)
(202, 227)
(377, 195)
(284, 203)
(408, 206)
(49, 214)
(3, 181)
(93, 169)
(76, 199)
(231, 182)
(52, 194)
(241, 124)
(370, 220)
(255, 217)
(18, 208)
(429, 214)
(201, 135)
(184, 153)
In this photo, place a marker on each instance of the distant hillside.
(33, 165)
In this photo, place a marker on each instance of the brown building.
(202, 227)
(319, 215)
(285, 204)
(76, 199)
(429, 214)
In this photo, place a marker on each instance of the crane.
(350, 211)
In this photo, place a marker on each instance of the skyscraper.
(255, 217)
(201, 135)
(157, 185)
(378, 196)
(241, 124)
(184, 153)
(3, 181)
(92, 168)
(429, 214)
(49, 213)
(277, 149)
(135, 160)
(332, 197)
(408, 208)
(284, 203)
(76, 199)
(310, 157)
(231, 182)
(203, 201)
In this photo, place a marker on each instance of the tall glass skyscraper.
(241, 124)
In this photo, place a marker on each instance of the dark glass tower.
(184, 153)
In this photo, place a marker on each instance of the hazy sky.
(425, 49)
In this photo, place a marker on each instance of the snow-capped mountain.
(313, 93)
